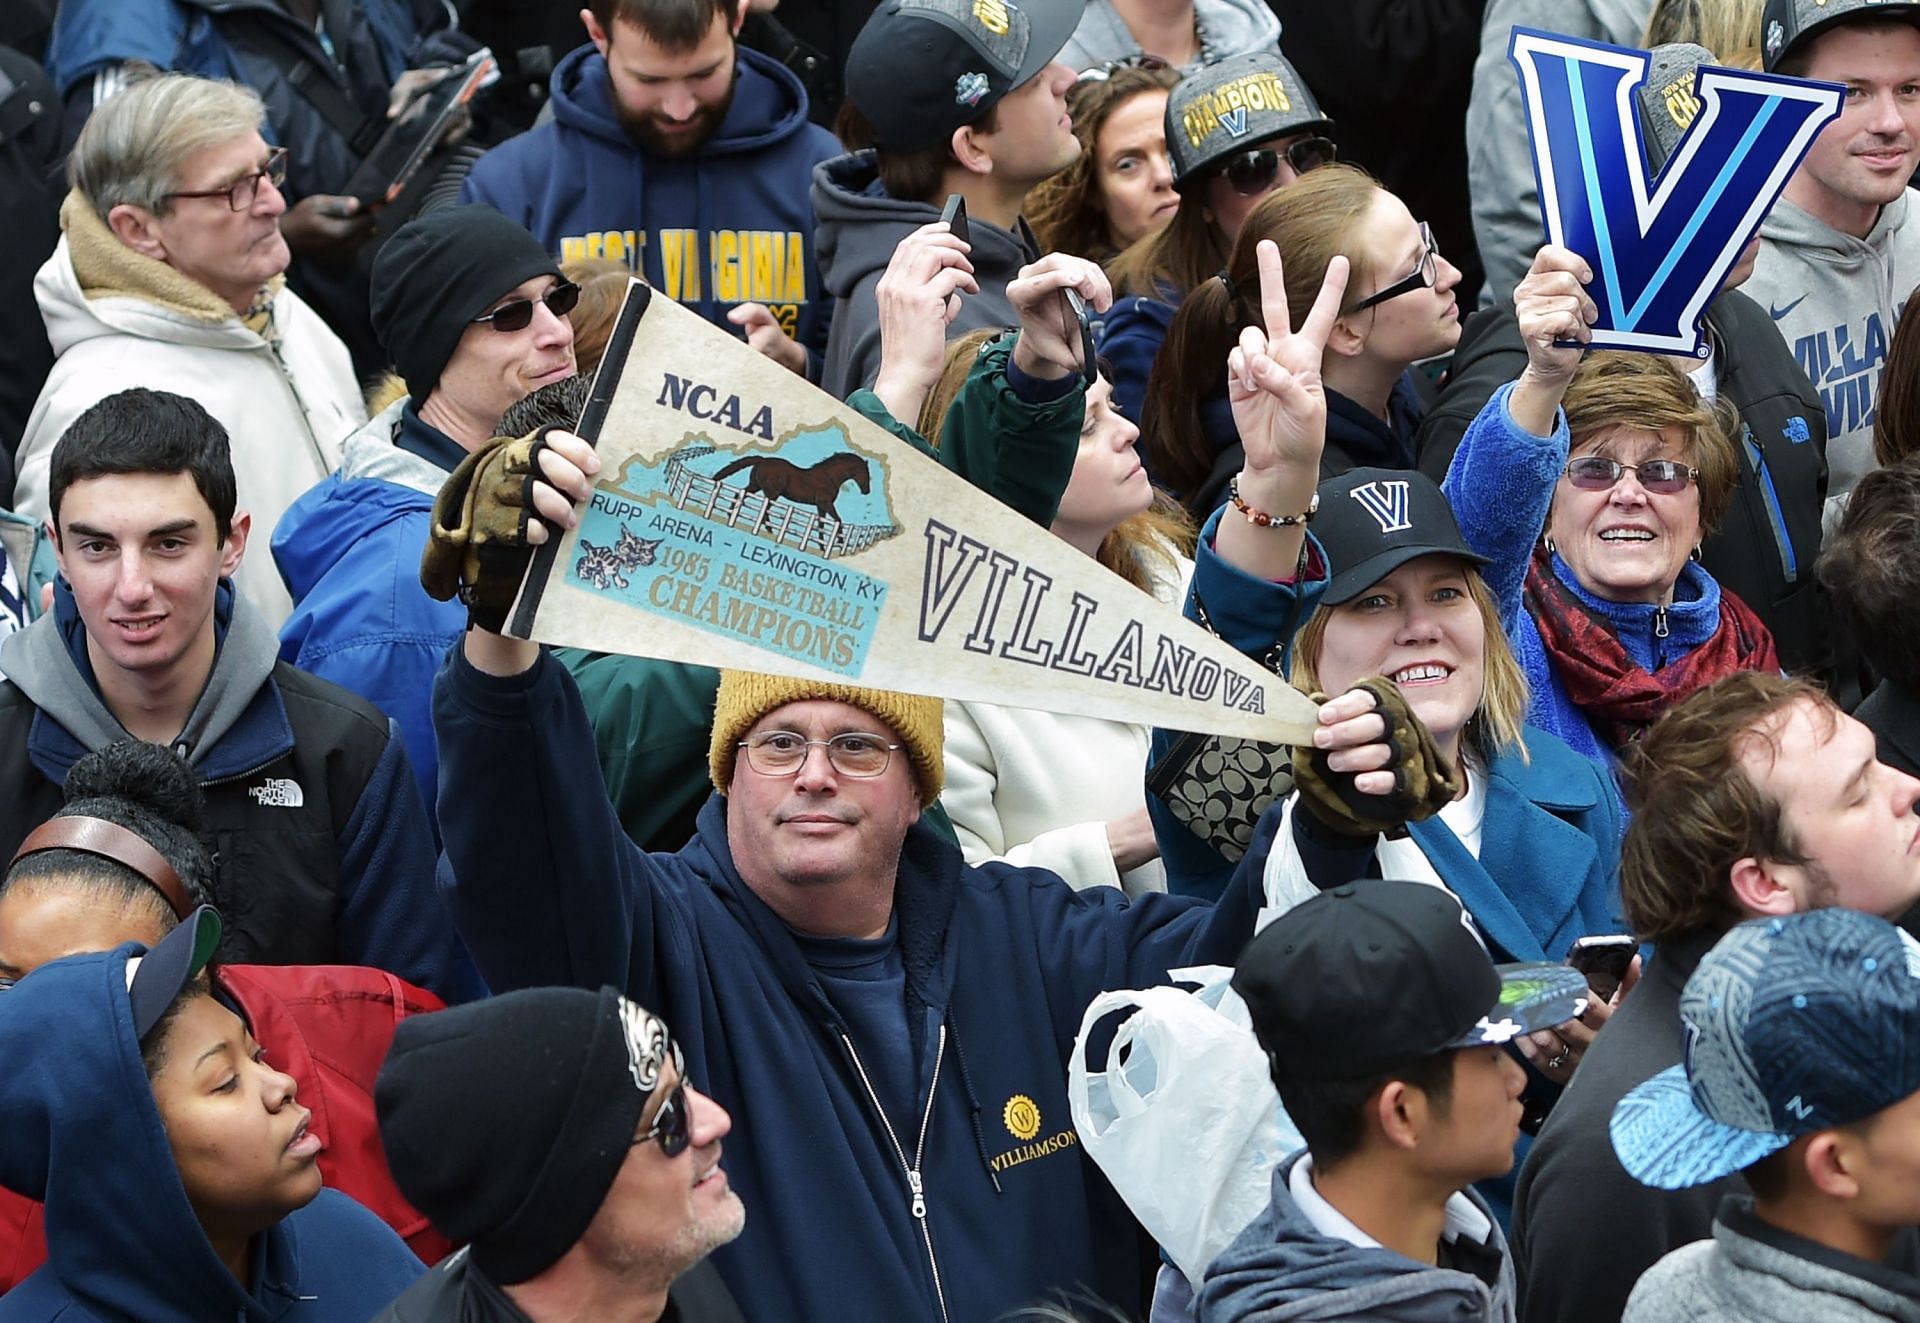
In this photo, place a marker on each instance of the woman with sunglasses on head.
(1120, 188)
(123, 862)
(1589, 484)
(474, 313)
(1399, 309)
(1234, 131)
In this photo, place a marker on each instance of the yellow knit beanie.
(746, 696)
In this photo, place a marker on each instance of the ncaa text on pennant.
(1659, 251)
(743, 517)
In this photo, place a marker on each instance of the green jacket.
(652, 719)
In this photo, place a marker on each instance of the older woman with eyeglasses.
(1589, 484)
(1399, 308)
(1235, 132)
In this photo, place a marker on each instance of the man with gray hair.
(170, 275)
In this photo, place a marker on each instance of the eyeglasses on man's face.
(243, 192)
(517, 314)
(852, 753)
(672, 1124)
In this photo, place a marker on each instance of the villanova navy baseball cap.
(1370, 522)
(920, 69)
(1223, 109)
(1377, 973)
(1788, 24)
(1791, 1025)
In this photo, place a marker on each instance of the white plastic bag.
(1184, 1120)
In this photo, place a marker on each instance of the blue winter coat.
(1000, 963)
(124, 1245)
(349, 550)
(1500, 485)
(199, 37)
(728, 224)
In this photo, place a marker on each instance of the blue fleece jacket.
(1130, 335)
(349, 550)
(124, 1245)
(730, 223)
(1000, 962)
(1500, 485)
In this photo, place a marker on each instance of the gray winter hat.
(1238, 103)
(1667, 101)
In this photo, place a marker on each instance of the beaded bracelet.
(1261, 518)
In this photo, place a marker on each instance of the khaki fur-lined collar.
(107, 268)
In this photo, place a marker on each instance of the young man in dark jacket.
(953, 96)
(555, 1132)
(685, 156)
(1755, 797)
(325, 856)
(1765, 548)
(1386, 1027)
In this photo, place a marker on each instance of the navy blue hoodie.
(1000, 964)
(83, 1135)
(729, 224)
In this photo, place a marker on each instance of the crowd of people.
(359, 960)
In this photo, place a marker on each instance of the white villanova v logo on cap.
(1386, 502)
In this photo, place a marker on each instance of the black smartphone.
(1077, 313)
(1604, 960)
(955, 215)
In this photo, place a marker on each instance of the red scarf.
(1618, 697)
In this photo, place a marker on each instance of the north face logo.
(278, 792)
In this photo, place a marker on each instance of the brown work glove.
(1423, 780)
(477, 548)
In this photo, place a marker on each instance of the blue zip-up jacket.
(728, 224)
(1000, 962)
(124, 1245)
(1130, 336)
(1500, 485)
(349, 551)
(324, 852)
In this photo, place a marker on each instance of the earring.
(1546, 541)
(1694, 555)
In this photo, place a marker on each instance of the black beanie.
(505, 1121)
(436, 274)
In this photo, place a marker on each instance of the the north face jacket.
(324, 852)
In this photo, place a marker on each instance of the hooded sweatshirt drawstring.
(973, 1103)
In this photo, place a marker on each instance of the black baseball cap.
(1370, 522)
(156, 979)
(1378, 973)
(1787, 24)
(920, 69)
(1238, 103)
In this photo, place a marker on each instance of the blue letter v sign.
(1658, 253)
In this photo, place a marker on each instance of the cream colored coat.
(1037, 789)
(286, 393)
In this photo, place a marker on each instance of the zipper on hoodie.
(1660, 622)
(916, 1186)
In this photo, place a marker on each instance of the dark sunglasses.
(670, 1124)
(1252, 172)
(1425, 273)
(1101, 72)
(517, 314)
(1663, 477)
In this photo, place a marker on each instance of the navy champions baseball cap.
(1370, 522)
(920, 69)
(1791, 1025)
(156, 979)
(1376, 973)
(1790, 23)
(1226, 108)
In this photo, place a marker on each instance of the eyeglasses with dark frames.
(1662, 477)
(1426, 273)
(243, 192)
(672, 1124)
(852, 753)
(517, 314)
(1099, 73)
(1252, 172)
